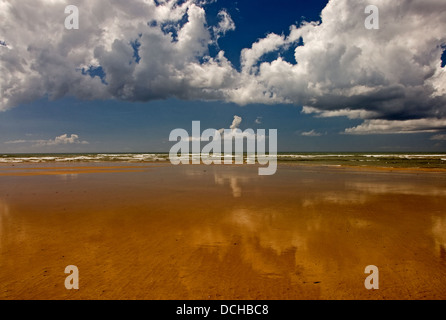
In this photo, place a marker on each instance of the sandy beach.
(157, 231)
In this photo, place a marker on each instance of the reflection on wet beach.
(234, 182)
(223, 232)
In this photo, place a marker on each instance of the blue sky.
(115, 126)
(115, 121)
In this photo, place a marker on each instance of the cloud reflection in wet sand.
(225, 232)
(352, 220)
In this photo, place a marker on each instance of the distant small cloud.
(234, 132)
(226, 24)
(16, 141)
(236, 122)
(382, 126)
(441, 137)
(63, 139)
(235, 125)
(311, 133)
(60, 140)
(350, 114)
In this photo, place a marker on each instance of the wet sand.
(156, 231)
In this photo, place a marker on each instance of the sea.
(393, 160)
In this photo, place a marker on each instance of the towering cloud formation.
(236, 122)
(140, 50)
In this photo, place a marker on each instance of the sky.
(135, 70)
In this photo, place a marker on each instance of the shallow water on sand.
(221, 232)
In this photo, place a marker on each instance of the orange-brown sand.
(221, 232)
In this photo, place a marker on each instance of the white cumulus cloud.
(151, 50)
(236, 122)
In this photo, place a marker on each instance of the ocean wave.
(409, 159)
(143, 157)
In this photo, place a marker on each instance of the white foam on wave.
(151, 157)
(85, 158)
